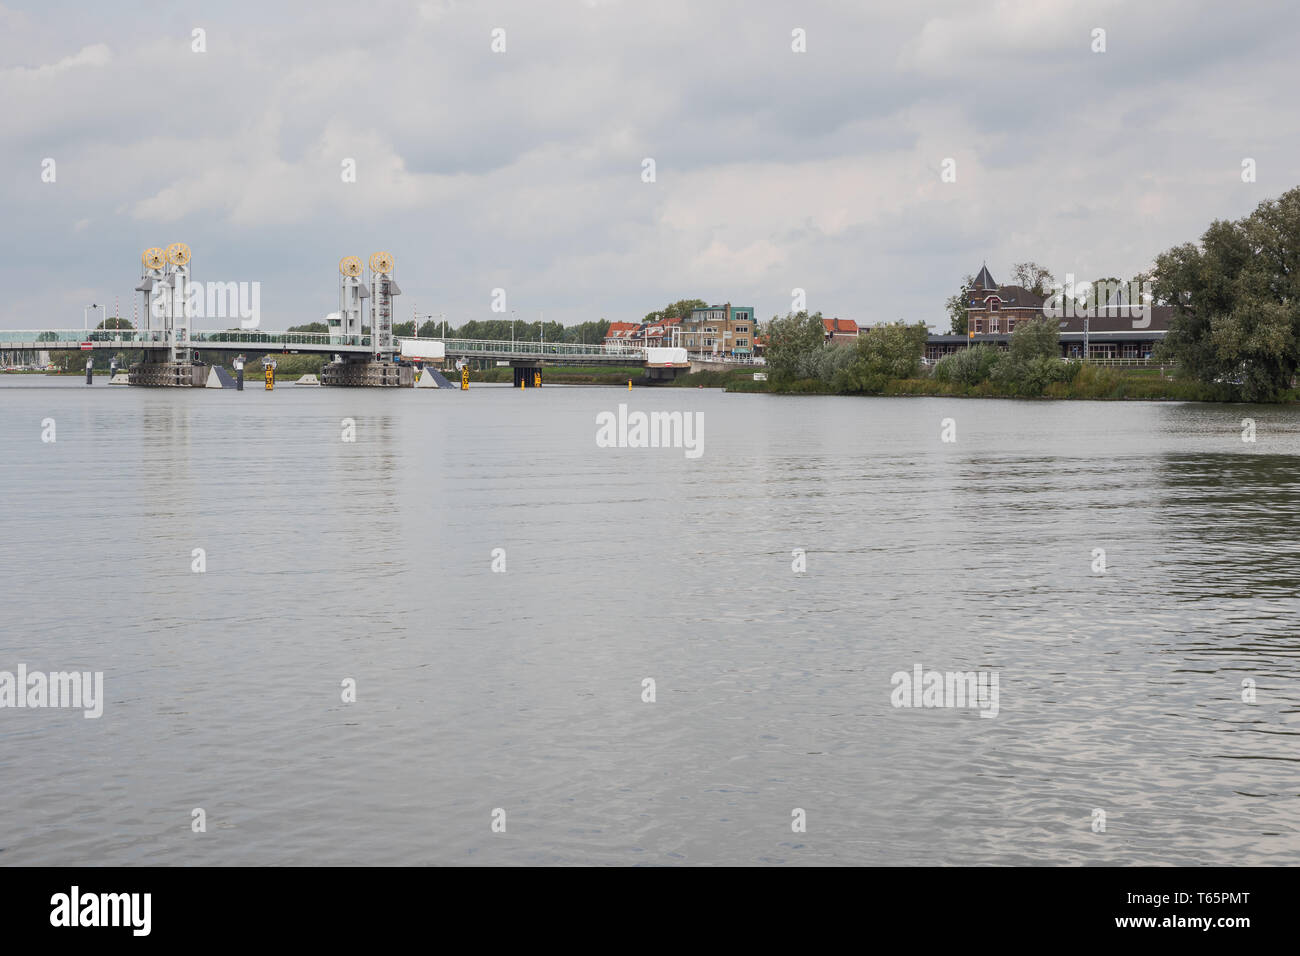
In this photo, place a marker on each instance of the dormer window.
(994, 302)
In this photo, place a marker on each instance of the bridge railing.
(253, 338)
(55, 338)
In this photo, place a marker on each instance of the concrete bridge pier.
(529, 374)
(168, 374)
(654, 375)
(367, 375)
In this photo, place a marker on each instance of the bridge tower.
(178, 313)
(152, 261)
(379, 366)
(165, 287)
(347, 321)
(382, 290)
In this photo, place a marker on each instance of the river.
(231, 564)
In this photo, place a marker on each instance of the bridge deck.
(239, 340)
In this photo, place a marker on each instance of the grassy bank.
(734, 380)
(1092, 383)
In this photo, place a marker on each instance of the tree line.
(1236, 299)
(800, 358)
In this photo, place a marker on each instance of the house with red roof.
(839, 331)
(620, 333)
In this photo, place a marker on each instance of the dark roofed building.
(1114, 331)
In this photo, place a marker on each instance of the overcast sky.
(522, 170)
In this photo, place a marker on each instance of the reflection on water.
(372, 560)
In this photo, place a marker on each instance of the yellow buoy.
(629, 385)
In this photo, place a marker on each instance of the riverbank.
(1092, 383)
(561, 375)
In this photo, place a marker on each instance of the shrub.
(969, 366)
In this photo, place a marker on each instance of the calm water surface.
(372, 560)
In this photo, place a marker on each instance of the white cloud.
(774, 170)
(97, 54)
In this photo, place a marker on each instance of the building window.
(740, 343)
(741, 328)
(994, 326)
(993, 305)
(1011, 325)
(979, 325)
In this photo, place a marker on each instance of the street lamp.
(85, 312)
(512, 330)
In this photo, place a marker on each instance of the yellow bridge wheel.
(153, 258)
(178, 253)
(350, 265)
(381, 262)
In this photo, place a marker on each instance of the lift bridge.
(364, 354)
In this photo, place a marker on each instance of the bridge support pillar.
(367, 375)
(652, 376)
(168, 374)
(528, 376)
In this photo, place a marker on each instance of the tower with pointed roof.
(984, 281)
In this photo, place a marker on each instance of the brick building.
(1112, 332)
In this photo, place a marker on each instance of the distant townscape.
(1220, 316)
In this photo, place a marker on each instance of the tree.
(1236, 300)
(115, 323)
(791, 340)
(968, 366)
(956, 308)
(592, 333)
(309, 327)
(1037, 338)
(1034, 359)
(882, 353)
(1032, 276)
(680, 309)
